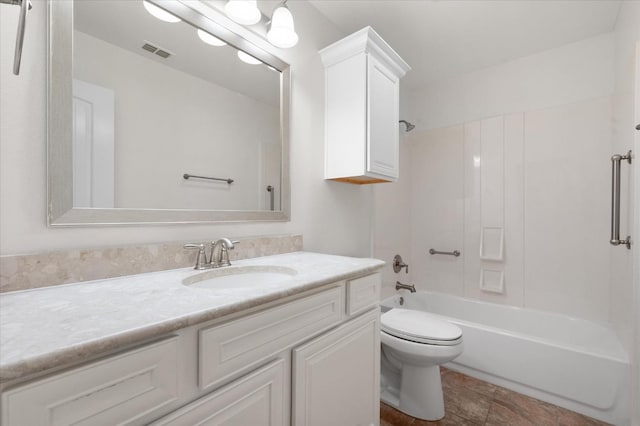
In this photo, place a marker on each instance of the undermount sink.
(240, 277)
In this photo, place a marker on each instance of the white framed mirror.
(153, 122)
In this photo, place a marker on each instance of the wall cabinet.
(234, 371)
(362, 76)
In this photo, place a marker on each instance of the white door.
(336, 377)
(382, 146)
(93, 145)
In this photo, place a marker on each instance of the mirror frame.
(60, 209)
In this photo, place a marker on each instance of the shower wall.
(525, 198)
(515, 156)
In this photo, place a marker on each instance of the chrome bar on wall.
(188, 176)
(615, 200)
(455, 253)
(272, 191)
(24, 5)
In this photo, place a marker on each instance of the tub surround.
(48, 328)
(23, 272)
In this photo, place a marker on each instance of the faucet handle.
(398, 264)
(201, 258)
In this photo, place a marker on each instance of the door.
(93, 145)
(336, 377)
(382, 140)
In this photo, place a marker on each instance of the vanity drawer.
(237, 346)
(255, 399)
(118, 390)
(363, 293)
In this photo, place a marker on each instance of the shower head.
(410, 126)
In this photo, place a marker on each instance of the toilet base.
(421, 392)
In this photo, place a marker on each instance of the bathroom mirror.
(151, 121)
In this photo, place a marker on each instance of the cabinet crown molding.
(365, 41)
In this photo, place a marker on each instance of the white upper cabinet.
(361, 109)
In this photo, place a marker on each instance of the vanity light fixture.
(209, 39)
(248, 59)
(281, 29)
(160, 13)
(244, 12)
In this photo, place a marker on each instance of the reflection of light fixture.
(160, 13)
(281, 30)
(244, 12)
(248, 58)
(209, 39)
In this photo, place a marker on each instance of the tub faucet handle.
(398, 264)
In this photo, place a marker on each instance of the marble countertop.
(49, 327)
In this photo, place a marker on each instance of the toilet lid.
(419, 326)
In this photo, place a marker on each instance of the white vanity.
(148, 348)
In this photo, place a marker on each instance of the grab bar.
(271, 190)
(455, 253)
(187, 176)
(615, 200)
(24, 5)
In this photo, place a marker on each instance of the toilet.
(414, 344)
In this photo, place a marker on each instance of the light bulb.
(209, 39)
(281, 31)
(244, 12)
(248, 59)
(160, 13)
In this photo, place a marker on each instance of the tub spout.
(410, 287)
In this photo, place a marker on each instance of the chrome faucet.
(410, 287)
(219, 254)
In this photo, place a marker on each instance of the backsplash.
(23, 272)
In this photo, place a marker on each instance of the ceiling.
(443, 38)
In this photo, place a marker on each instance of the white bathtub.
(570, 362)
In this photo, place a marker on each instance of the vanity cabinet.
(362, 77)
(309, 359)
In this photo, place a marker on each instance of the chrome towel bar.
(188, 176)
(455, 253)
(615, 200)
(24, 5)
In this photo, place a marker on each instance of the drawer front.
(256, 399)
(117, 390)
(239, 345)
(363, 293)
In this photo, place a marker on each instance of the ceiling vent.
(151, 48)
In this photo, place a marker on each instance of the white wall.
(333, 217)
(570, 73)
(168, 123)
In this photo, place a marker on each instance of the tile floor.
(469, 401)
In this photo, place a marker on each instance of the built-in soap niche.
(492, 281)
(492, 243)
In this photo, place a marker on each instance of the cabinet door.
(383, 100)
(256, 399)
(336, 377)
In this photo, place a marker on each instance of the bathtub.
(569, 362)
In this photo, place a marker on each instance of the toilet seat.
(420, 327)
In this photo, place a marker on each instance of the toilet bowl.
(414, 344)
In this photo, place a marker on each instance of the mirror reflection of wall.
(200, 110)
